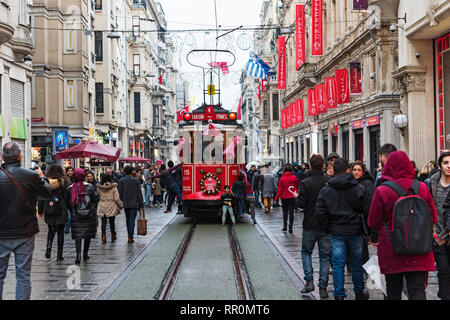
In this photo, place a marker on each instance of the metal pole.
(126, 80)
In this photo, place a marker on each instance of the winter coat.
(339, 205)
(167, 179)
(298, 174)
(398, 168)
(58, 188)
(250, 175)
(83, 227)
(130, 193)
(286, 186)
(440, 226)
(110, 203)
(255, 180)
(369, 184)
(238, 189)
(267, 185)
(307, 197)
(156, 187)
(248, 188)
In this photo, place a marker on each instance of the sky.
(200, 14)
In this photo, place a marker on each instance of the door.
(359, 145)
(345, 145)
(325, 145)
(374, 138)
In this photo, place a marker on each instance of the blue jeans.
(23, 254)
(131, 214)
(148, 189)
(67, 226)
(257, 202)
(240, 206)
(309, 239)
(341, 246)
(228, 209)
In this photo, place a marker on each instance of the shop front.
(373, 125)
(357, 127)
(442, 76)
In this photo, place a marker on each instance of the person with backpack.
(109, 205)
(403, 211)
(54, 210)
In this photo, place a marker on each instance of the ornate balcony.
(6, 30)
(21, 42)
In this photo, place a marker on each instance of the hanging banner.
(360, 4)
(283, 119)
(289, 116)
(299, 106)
(355, 78)
(312, 107)
(281, 63)
(300, 36)
(316, 18)
(330, 93)
(294, 113)
(320, 98)
(343, 93)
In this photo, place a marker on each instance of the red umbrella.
(135, 160)
(90, 149)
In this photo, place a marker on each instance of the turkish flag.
(300, 36)
(299, 105)
(343, 93)
(181, 113)
(330, 93)
(320, 98)
(317, 35)
(281, 63)
(312, 105)
(294, 113)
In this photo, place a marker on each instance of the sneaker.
(308, 287)
(323, 293)
(363, 295)
(167, 211)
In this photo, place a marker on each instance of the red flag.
(300, 36)
(320, 98)
(343, 93)
(330, 93)
(222, 65)
(161, 78)
(355, 78)
(312, 107)
(181, 113)
(294, 113)
(299, 105)
(316, 17)
(239, 110)
(258, 90)
(283, 119)
(288, 116)
(281, 63)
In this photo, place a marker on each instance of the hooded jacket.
(58, 188)
(110, 203)
(339, 204)
(286, 186)
(398, 168)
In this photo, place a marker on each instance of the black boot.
(50, 237)
(59, 257)
(87, 243)
(78, 248)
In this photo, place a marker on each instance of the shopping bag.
(377, 280)
(142, 224)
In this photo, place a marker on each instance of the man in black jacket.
(20, 189)
(308, 192)
(168, 181)
(255, 187)
(177, 174)
(131, 196)
(339, 208)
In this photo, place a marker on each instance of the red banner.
(355, 78)
(294, 112)
(283, 119)
(320, 98)
(289, 116)
(299, 106)
(239, 110)
(300, 36)
(312, 107)
(281, 63)
(316, 16)
(343, 93)
(331, 93)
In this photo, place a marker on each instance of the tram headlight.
(187, 116)
(232, 116)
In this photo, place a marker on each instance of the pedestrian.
(268, 187)
(287, 188)
(114, 177)
(238, 190)
(69, 178)
(339, 208)
(251, 173)
(297, 171)
(384, 152)
(425, 172)
(157, 191)
(395, 267)
(177, 174)
(226, 199)
(131, 197)
(312, 232)
(250, 198)
(439, 186)
(148, 185)
(82, 200)
(330, 162)
(19, 224)
(109, 205)
(55, 209)
(169, 183)
(255, 186)
(90, 178)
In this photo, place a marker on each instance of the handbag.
(142, 223)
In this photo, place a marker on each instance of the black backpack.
(412, 225)
(52, 207)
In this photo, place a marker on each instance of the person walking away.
(226, 200)
(109, 205)
(131, 196)
(82, 200)
(384, 152)
(439, 186)
(238, 190)
(268, 187)
(157, 193)
(287, 186)
(255, 186)
(178, 177)
(55, 209)
(69, 178)
(312, 232)
(250, 197)
(414, 268)
(148, 185)
(169, 183)
(22, 188)
(339, 207)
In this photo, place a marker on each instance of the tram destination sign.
(209, 116)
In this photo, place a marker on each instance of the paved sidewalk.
(49, 278)
(290, 247)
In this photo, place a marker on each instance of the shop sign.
(358, 124)
(373, 121)
(37, 120)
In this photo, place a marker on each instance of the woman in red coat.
(399, 169)
(287, 185)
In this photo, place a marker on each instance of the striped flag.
(257, 68)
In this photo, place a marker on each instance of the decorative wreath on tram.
(210, 182)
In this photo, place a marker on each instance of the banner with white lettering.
(316, 18)
(299, 105)
(281, 63)
(330, 93)
(289, 116)
(320, 98)
(343, 92)
(312, 107)
(300, 36)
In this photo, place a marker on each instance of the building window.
(98, 46)
(373, 84)
(136, 26)
(23, 8)
(99, 106)
(137, 64)
(70, 93)
(17, 99)
(137, 107)
(155, 116)
(275, 111)
(98, 4)
(70, 39)
(265, 111)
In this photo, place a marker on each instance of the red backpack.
(412, 224)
